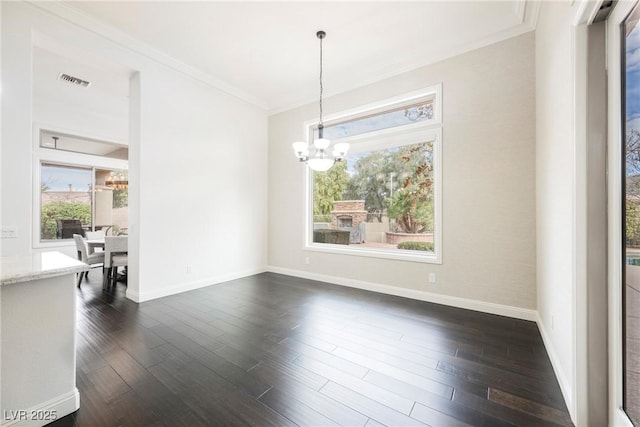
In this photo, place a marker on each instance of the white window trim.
(434, 91)
(427, 130)
(63, 158)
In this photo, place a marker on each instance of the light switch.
(9, 232)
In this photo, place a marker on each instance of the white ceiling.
(267, 52)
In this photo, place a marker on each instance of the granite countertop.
(17, 269)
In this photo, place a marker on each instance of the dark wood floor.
(273, 350)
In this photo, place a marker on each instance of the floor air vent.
(73, 80)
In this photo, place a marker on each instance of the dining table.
(100, 243)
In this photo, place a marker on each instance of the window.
(74, 200)
(78, 192)
(384, 199)
(66, 201)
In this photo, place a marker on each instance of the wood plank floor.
(273, 350)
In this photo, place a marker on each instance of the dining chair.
(94, 235)
(93, 259)
(115, 255)
(66, 228)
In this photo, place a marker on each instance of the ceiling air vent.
(73, 80)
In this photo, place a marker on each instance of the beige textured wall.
(489, 242)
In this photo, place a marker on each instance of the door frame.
(617, 415)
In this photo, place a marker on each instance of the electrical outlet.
(432, 277)
(9, 232)
(307, 260)
(189, 269)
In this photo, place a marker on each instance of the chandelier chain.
(321, 86)
(322, 158)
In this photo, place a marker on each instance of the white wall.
(203, 191)
(100, 111)
(198, 161)
(489, 240)
(16, 130)
(555, 189)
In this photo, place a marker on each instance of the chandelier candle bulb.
(302, 150)
(321, 143)
(340, 150)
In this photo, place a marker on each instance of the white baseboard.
(189, 286)
(565, 386)
(469, 304)
(43, 413)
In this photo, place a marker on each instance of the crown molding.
(125, 41)
(526, 10)
(521, 9)
(587, 11)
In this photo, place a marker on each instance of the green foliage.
(411, 215)
(328, 187)
(322, 218)
(412, 205)
(120, 198)
(632, 223)
(416, 246)
(62, 210)
(397, 179)
(375, 178)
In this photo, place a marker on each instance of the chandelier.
(117, 181)
(321, 160)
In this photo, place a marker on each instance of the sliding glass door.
(630, 56)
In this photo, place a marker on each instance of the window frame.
(63, 158)
(422, 131)
(615, 273)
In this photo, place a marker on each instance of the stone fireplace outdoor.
(345, 221)
(348, 213)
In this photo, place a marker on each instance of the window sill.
(400, 255)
